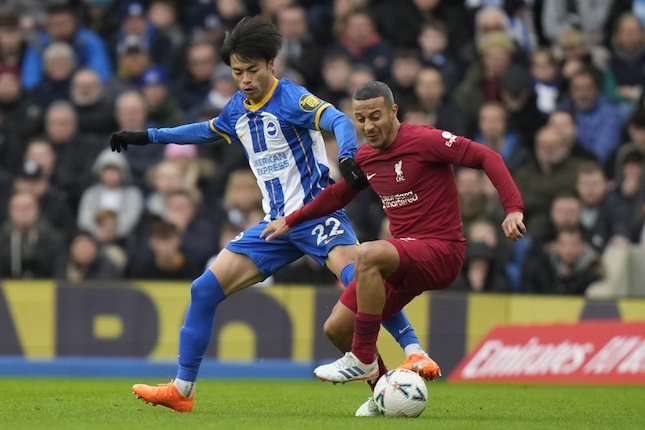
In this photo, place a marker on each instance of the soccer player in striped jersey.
(278, 124)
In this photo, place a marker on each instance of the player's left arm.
(343, 128)
(478, 156)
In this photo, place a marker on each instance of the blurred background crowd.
(555, 86)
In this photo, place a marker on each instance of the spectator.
(29, 246)
(75, 153)
(299, 51)
(86, 262)
(598, 121)
(12, 39)
(41, 152)
(52, 203)
(166, 177)
(565, 212)
(567, 265)
(564, 121)
(360, 41)
(627, 61)
(625, 200)
(61, 26)
(483, 269)
(357, 77)
(405, 69)
(162, 17)
(488, 20)
(433, 42)
(199, 238)
(589, 15)
(546, 81)
(20, 117)
(242, 199)
(554, 171)
(520, 101)
(110, 245)
(223, 87)
(133, 58)
(191, 88)
(336, 69)
(575, 54)
(163, 108)
(494, 132)
(431, 97)
(164, 258)
(94, 109)
(131, 115)
(636, 143)
(59, 65)
(112, 192)
(474, 201)
(482, 80)
(595, 215)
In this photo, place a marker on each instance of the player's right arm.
(200, 132)
(331, 199)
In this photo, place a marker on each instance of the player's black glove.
(121, 139)
(352, 174)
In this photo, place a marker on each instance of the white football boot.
(368, 409)
(347, 368)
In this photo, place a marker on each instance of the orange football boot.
(423, 365)
(165, 395)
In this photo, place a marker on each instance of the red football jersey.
(415, 179)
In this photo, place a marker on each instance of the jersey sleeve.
(222, 124)
(302, 108)
(440, 146)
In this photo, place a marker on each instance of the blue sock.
(205, 294)
(399, 325)
(347, 274)
(401, 330)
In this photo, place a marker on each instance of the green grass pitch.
(228, 404)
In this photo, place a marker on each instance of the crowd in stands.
(556, 87)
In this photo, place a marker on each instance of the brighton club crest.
(398, 169)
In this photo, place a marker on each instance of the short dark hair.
(374, 89)
(252, 39)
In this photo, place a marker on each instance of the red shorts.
(428, 264)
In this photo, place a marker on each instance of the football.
(401, 393)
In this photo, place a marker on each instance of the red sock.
(366, 327)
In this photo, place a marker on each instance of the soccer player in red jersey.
(411, 168)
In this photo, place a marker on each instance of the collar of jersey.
(265, 99)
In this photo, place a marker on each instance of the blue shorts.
(315, 238)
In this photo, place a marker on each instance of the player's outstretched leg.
(205, 294)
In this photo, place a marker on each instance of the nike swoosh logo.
(371, 176)
(404, 329)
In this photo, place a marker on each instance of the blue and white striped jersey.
(282, 139)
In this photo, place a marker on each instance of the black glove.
(121, 139)
(353, 174)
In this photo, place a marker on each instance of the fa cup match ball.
(401, 393)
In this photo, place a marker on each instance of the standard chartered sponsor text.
(398, 200)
